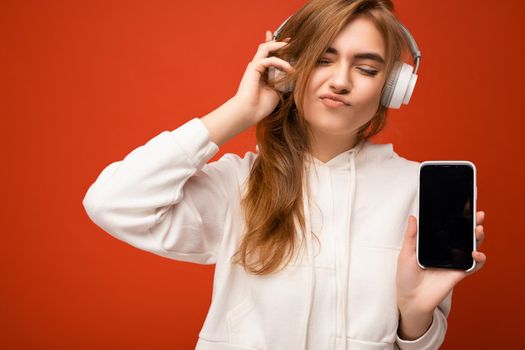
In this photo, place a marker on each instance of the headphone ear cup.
(399, 86)
(275, 73)
(390, 85)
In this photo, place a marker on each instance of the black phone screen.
(446, 225)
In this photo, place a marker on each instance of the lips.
(334, 98)
(330, 103)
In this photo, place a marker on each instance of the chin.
(331, 123)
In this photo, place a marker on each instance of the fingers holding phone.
(480, 230)
(478, 256)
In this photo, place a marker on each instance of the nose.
(340, 81)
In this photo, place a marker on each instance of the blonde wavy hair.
(273, 195)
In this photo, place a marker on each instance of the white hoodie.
(165, 198)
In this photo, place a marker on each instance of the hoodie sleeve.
(435, 335)
(164, 198)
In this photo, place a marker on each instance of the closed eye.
(369, 72)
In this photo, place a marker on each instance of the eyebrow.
(361, 56)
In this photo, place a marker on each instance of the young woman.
(313, 235)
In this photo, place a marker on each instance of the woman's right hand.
(256, 97)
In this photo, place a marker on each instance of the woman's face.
(352, 69)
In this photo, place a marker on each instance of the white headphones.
(398, 87)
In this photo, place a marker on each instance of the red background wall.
(85, 82)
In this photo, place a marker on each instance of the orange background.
(85, 82)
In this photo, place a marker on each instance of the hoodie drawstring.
(311, 268)
(351, 200)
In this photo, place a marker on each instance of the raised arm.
(164, 197)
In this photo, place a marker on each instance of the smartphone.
(446, 215)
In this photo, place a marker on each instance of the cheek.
(368, 89)
(312, 89)
(379, 83)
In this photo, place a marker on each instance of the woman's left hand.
(424, 289)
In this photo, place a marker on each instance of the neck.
(326, 146)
